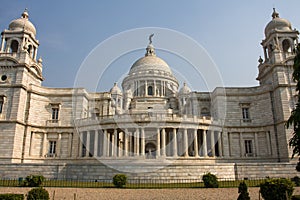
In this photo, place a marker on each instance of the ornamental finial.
(150, 38)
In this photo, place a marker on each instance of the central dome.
(150, 63)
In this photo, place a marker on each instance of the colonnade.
(151, 143)
(158, 88)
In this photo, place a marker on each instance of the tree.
(294, 119)
(243, 192)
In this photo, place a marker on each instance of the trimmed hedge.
(277, 189)
(38, 193)
(120, 180)
(210, 180)
(11, 196)
(33, 181)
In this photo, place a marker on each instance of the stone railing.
(149, 117)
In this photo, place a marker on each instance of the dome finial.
(150, 51)
(150, 38)
(275, 14)
(25, 14)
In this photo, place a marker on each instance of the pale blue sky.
(230, 31)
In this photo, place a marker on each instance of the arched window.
(150, 90)
(29, 50)
(286, 46)
(14, 46)
(205, 112)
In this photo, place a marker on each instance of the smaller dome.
(115, 89)
(185, 89)
(278, 24)
(22, 24)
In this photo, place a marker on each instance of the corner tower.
(275, 75)
(19, 48)
(19, 70)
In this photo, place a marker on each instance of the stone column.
(96, 144)
(70, 139)
(196, 148)
(115, 143)
(31, 143)
(185, 143)
(154, 84)
(220, 144)
(80, 139)
(44, 144)
(212, 143)
(143, 142)
(146, 88)
(87, 146)
(241, 145)
(104, 146)
(163, 142)
(126, 142)
(204, 145)
(58, 152)
(137, 142)
(225, 143)
(174, 138)
(256, 144)
(158, 143)
(2, 44)
(112, 145)
(268, 143)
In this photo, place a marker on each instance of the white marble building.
(150, 121)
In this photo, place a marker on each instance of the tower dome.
(115, 89)
(22, 23)
(185, 89)
(278, 24)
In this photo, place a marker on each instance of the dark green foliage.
(11, 197)
(119, 180)
(210, 180)
(38, 193)
(294, 119)
(277, 189)
(243, 192)
(296, 180)
(33, 181)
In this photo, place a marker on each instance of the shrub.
(119, 180)
(243, 192)
(277, 189)
(11, 197)
(38, 193)
(34, 180)
(296, 180)
(210, 180)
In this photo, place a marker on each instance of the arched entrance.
(150, 150)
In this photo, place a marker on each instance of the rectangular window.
(246, 115)
(52, 148)
(248, 147)
(55, 112)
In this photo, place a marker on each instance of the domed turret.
(22, 24)
(277, 24)
(115, 90)
(185, 89)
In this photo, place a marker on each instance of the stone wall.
(184, 170)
